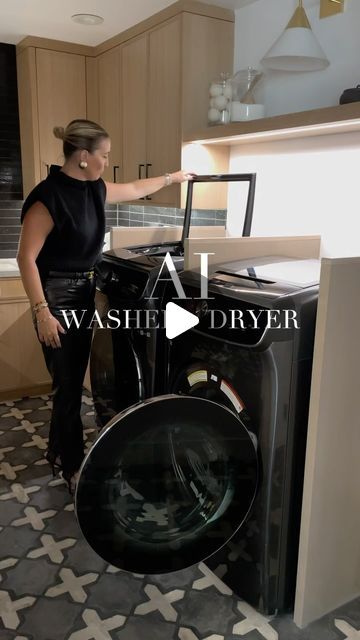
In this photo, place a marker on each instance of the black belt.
(72, 274)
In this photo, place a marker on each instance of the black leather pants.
(67, 365)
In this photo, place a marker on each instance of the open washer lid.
(166, 484)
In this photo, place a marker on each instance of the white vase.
(241, 111)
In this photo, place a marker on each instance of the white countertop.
(8, 267)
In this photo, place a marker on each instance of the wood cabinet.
(134, 65)
(151, 106)
(109, 113)
(22, 367)
(164, 106)
(61, 95)
(53, 84)
(148, 87)
(165, 79)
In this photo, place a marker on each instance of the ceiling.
(49, 19)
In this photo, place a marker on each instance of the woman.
(63, 226)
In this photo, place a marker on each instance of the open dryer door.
(166, 484)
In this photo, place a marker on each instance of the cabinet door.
(109, 109)
(61, 89)
(134, 88)
(164, 106)
(22, 366)
(208, 47)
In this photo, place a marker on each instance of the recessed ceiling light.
(87, 18)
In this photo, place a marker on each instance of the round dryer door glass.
(166, 484)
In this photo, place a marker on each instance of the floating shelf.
(315, 122)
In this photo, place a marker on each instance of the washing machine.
(126, 345)
(252, 353)
(127, 359)
(212, 470)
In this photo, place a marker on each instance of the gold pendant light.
(297, 48)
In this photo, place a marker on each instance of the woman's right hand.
(48, 328)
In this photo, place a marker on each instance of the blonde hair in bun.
(59, 132)
(80, 134)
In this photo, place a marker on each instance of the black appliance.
(163, 480)
(213, 469)
(262, 374)
(127, 364)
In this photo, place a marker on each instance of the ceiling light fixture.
(297, 49)
(87, 19)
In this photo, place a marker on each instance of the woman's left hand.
(182, 176)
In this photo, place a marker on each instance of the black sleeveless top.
(77, 208)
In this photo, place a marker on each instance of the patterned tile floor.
(54, 587)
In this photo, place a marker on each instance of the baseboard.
(36, 390)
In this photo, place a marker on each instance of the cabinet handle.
(116, 166)
(148, 164)
(47, 168)
(140, 167)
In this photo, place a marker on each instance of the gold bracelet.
(168, 179)
(40, 305)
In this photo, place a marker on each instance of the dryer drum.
(163, 481)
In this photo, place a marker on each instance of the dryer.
(127, 365)
(262, 374)
(212, 470)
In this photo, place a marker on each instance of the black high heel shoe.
(71, 478)
(54, 461)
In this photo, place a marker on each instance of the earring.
(83, 164)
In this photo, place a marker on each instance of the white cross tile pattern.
(254, 621)
(9, 609)
(29, 427)
(96, 628)
(19, 492)
(34, 518)
(350, 632)
(52, 548)
(210, 580)
(161, 602)
(54, 587)
(72, 584)
(15, 412)
(10, 472)
(37, 441)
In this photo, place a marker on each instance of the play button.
(178, 320)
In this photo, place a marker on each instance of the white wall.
(304, 186)
(258, 25)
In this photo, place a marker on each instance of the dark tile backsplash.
(121, 215)
(9, 227)
(10, 155)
